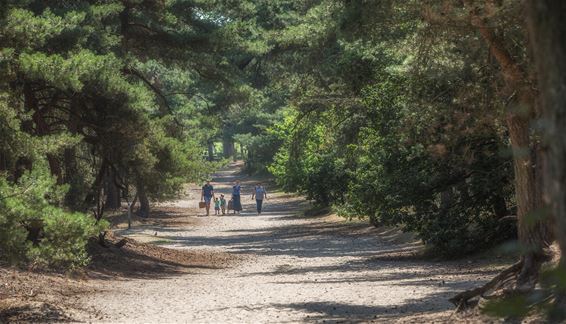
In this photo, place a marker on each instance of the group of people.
(235, 203)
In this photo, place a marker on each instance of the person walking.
(236, 202)
(216, 206)
(207, 194)
(223, 204)
(259, 194)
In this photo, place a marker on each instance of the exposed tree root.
(121, 243)
(520, 278)
(102, 239)
(462, 300)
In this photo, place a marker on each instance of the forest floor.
(286, 265)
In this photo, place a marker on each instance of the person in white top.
(259, 194)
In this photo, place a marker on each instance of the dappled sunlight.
(310, 268)
(282, 161)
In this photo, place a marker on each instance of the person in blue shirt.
(259, 193)
(207, 194)
(236, 200)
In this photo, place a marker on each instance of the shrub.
(35, 229)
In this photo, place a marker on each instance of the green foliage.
(361, 105)
(112, 98)
(382, 128)
(307, 162)
(512, 307)
(175, 162)
(65, 237)
(34, 204)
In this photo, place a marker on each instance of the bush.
(450, 189)
(35, 229)
(307, 162)
(396, 167)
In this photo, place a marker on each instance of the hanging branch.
(163, 102)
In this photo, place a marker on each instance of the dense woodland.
(444, 118)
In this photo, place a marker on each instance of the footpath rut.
(292, 269)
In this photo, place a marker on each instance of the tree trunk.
(210, 150)
(547, 27)
(112, 195)
(95, 189)
(242, 152)
(374, 221)
(72, 177)
(228, 147)
(113, 200)
(42, 128)
(143, 210)
(23, 164)
(533, 230)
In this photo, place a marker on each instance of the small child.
(223, 204)
(216, 206)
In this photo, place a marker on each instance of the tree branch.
(164, 104)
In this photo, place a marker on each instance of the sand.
(289, 268)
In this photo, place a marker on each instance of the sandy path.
(296, 269)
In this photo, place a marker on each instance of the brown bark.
(228, 147)
(94, 195)
(112, 194)
(547, 28)
(533, 231)
(143, 210)
(461, 300)
(113, 200)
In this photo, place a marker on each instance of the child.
(216, 206)
(230, 205)
(223, 204)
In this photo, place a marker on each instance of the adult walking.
(259, 194)
(236, 201)
(207, 194)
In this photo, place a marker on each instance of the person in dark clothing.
(207, 194)
(236, 201)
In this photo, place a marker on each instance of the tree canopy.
(419, 114)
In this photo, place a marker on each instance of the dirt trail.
(294, 269)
